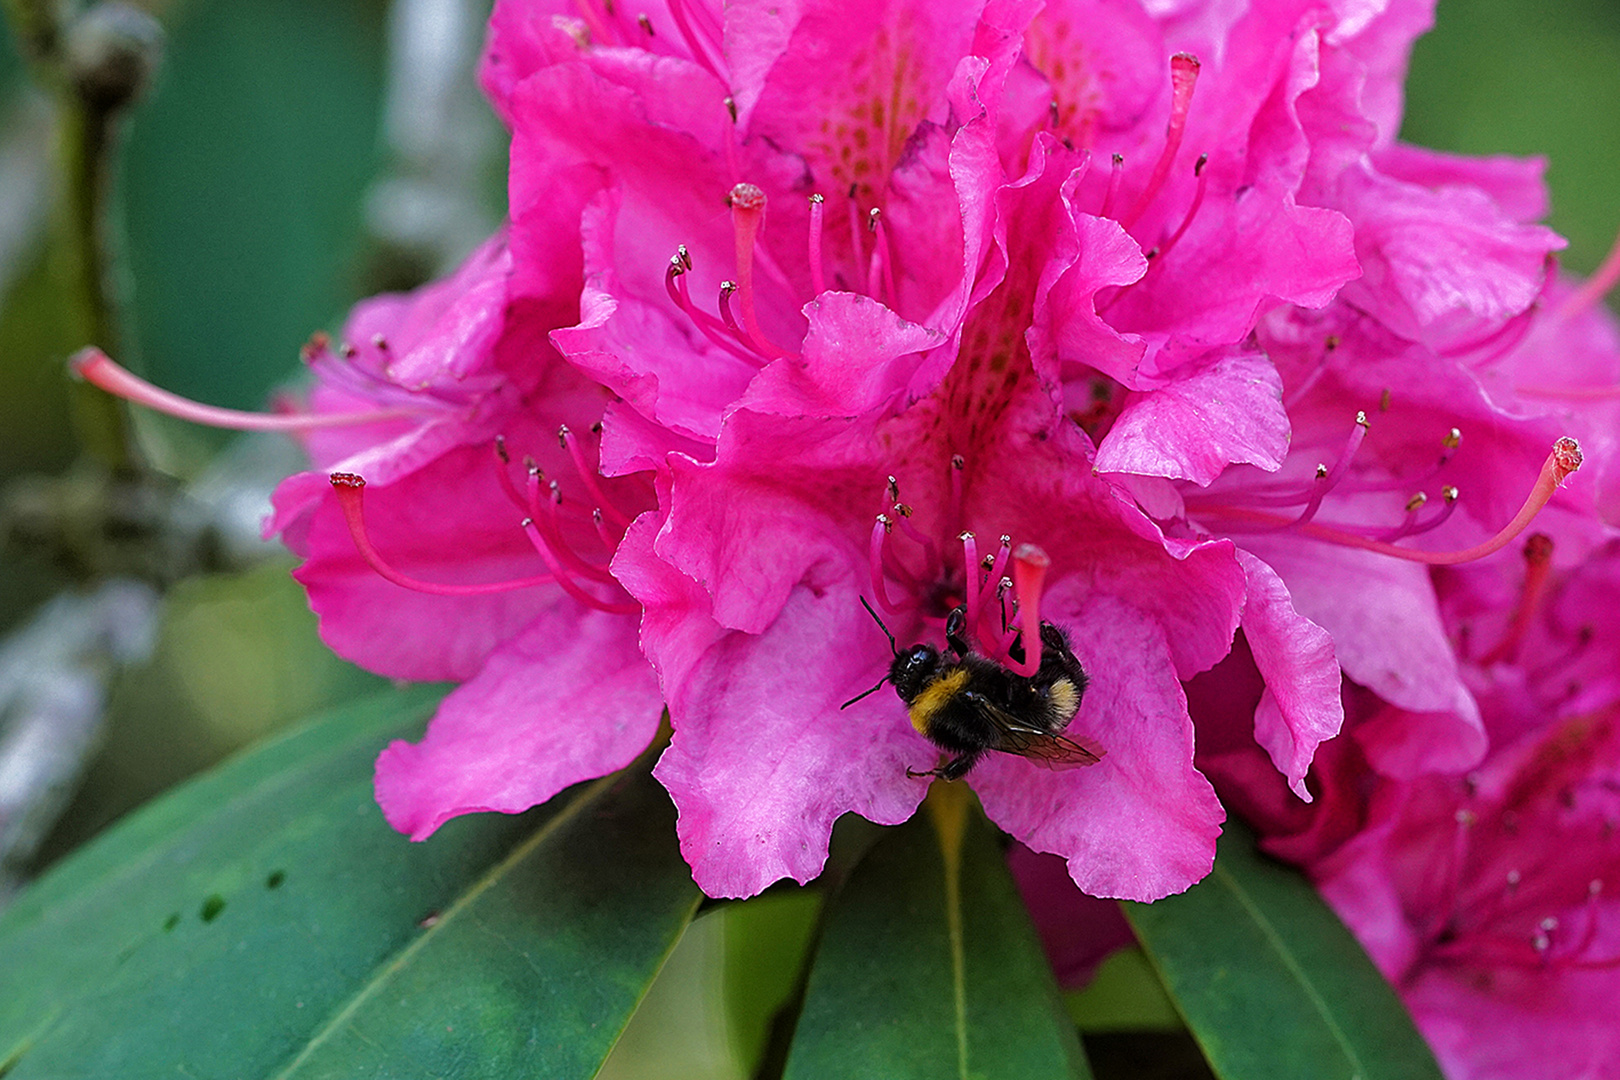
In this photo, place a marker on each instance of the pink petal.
(445, 522)
(1387, 634)
(1142, 823)
(858, 356)
(1301, 705)
(567, 698)
(764, 761)
(1227, 412)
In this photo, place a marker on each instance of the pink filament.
(544, 515)
(1029, 577)
(1183, 77)
(998, 566)
(96, 368)
(818, 211)
(588, 475)
(1114, 178)
(1411, 526)
(882, 260)
(349, 489)
(874, 553)
(1192, 211)
(699, 53)
(711, 328)
(568, 584)
(971, 584)
(856, 249)
(1564, 459)
(1596, 285)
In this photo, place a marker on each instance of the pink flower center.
(913, 577)
(737, 329)
(1523, 882)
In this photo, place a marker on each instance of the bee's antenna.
(866, 693)
(892, 646)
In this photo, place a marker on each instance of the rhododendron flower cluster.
(805, 303)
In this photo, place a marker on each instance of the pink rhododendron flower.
(861, 297)
(1486, 897)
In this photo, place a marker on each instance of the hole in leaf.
(172, 921)
(275, 879)
(211, 907)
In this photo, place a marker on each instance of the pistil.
(96, 368)
(1183, 77)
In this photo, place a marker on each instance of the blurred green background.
(245, 180)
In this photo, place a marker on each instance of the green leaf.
(766, 945)
(1124, 995)
(263, 920)
(244, 182)
(1269, 980)
(929, 966)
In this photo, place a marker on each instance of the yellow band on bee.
(934, 697)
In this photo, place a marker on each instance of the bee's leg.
(955, 624)
(954, 769)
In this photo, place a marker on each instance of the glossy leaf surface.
(1269, 980)
(929, 966)
(263, 920)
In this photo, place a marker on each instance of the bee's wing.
(1014, 736)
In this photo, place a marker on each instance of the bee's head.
(912, 670)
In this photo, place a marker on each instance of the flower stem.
(94, 62)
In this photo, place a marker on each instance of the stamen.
(568, 584)
(1448, 450)
(856, 250)
(1029, 577)
(502, 460)
(970, 577)
(1452, 889)
(724, 303)
(96, 368)
(1183, 77)
(1326, 480)
(874, 553)
(609, 541)
(882, 268)
(544, 515)
(902, 518)
(994, 571)
(349, 490)
(677, 10)
(958, 465)
(712, 328)
(646, 24)
(818, 210)
(1156, 254)
(1114, 178)
(1596, 286)
(747, 218)
(1192, 211)
(588, 475)
(1564, 459)
(1538, 551)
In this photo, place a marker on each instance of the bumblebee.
(967, 704)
